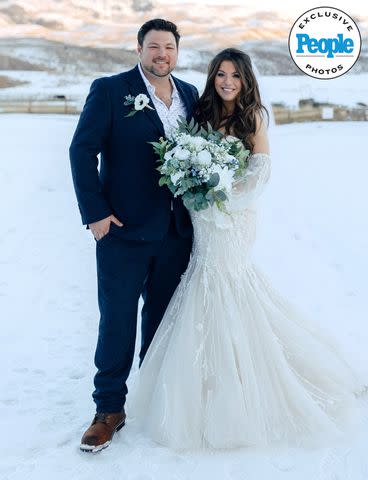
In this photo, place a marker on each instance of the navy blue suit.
(148, 255)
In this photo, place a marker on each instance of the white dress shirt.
(168, 115)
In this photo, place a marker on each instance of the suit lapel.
(188, 101)
(137, 86)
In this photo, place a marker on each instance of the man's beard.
(157, 73)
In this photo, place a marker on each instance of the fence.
(320, 113)
(283, 114)
(61, 105)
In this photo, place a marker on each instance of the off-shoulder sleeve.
(249, 187)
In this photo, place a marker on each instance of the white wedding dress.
(233, 363)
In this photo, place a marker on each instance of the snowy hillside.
(58, 46)
(312, 243)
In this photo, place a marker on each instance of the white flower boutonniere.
(139, 102)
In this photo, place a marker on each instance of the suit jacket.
(126, 184)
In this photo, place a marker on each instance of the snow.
(312, 243)
(346, 90)
(289, 89)
(45, 85)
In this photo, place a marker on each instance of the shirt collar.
(151, 88)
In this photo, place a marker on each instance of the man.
(143, 235)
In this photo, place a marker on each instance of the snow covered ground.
(312, 243)
(347, 90)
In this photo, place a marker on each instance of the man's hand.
(102, 227)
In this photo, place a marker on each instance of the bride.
(233, 363)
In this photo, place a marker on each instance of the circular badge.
(324, 42)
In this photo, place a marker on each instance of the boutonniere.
(139, 102)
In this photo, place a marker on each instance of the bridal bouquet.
(200, 165)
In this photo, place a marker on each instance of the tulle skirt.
(233, 364)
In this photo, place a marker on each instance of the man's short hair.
(160, 25)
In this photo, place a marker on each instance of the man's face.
(158, 54)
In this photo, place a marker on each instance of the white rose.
(226, 178)
(198, 143)
(175, 177)
(141, 101)
(204, 158)
(182, 154)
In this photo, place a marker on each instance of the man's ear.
(139, 50)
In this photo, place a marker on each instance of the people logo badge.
(324, 42)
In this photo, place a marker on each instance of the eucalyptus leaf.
(213, 181)
(130, 114)
(162, 181)
(220, 196)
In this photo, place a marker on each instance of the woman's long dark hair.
(210, 107)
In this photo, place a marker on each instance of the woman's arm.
(260, 138)
(248, 188)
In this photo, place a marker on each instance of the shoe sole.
(97, 448)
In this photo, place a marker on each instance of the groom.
(143, 235)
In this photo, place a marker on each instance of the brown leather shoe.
(99, 434)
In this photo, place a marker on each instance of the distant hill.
(31, 54)
(110, 23)
(47, 46)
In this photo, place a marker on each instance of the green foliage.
(187, 169)
(213, 181)
(131, 113)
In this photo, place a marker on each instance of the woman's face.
(227, 82)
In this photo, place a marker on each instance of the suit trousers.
(127, 269)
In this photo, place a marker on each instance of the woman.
(232, 363)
